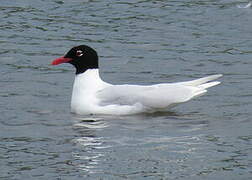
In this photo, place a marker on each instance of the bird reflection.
(88, 143)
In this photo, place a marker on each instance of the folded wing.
(156, 96)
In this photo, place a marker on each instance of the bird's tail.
(204, 83)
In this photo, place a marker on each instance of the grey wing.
(155, 96)
(120, 94)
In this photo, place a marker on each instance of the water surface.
(139, 42)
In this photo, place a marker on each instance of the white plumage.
(91, 95)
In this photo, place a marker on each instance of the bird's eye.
(79, 53)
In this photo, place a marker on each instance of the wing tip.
(210, 84)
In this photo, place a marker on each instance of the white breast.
(85, 88)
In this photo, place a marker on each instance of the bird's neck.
(89, 80)
(89, 76)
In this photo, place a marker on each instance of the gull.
(91, 95)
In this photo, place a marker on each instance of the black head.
(81, 57)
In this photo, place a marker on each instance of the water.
(139, 42)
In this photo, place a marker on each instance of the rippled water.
(140, 42)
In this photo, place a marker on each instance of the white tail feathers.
(199, 93)
(208, 85)
(203, 83)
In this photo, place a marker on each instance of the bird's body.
(91, 95)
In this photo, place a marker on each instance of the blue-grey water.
(139, 42)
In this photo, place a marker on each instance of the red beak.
(60, 60)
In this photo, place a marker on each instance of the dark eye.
(79, 53)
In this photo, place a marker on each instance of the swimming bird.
(91, 95)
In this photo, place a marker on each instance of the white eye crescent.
(79, 53)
